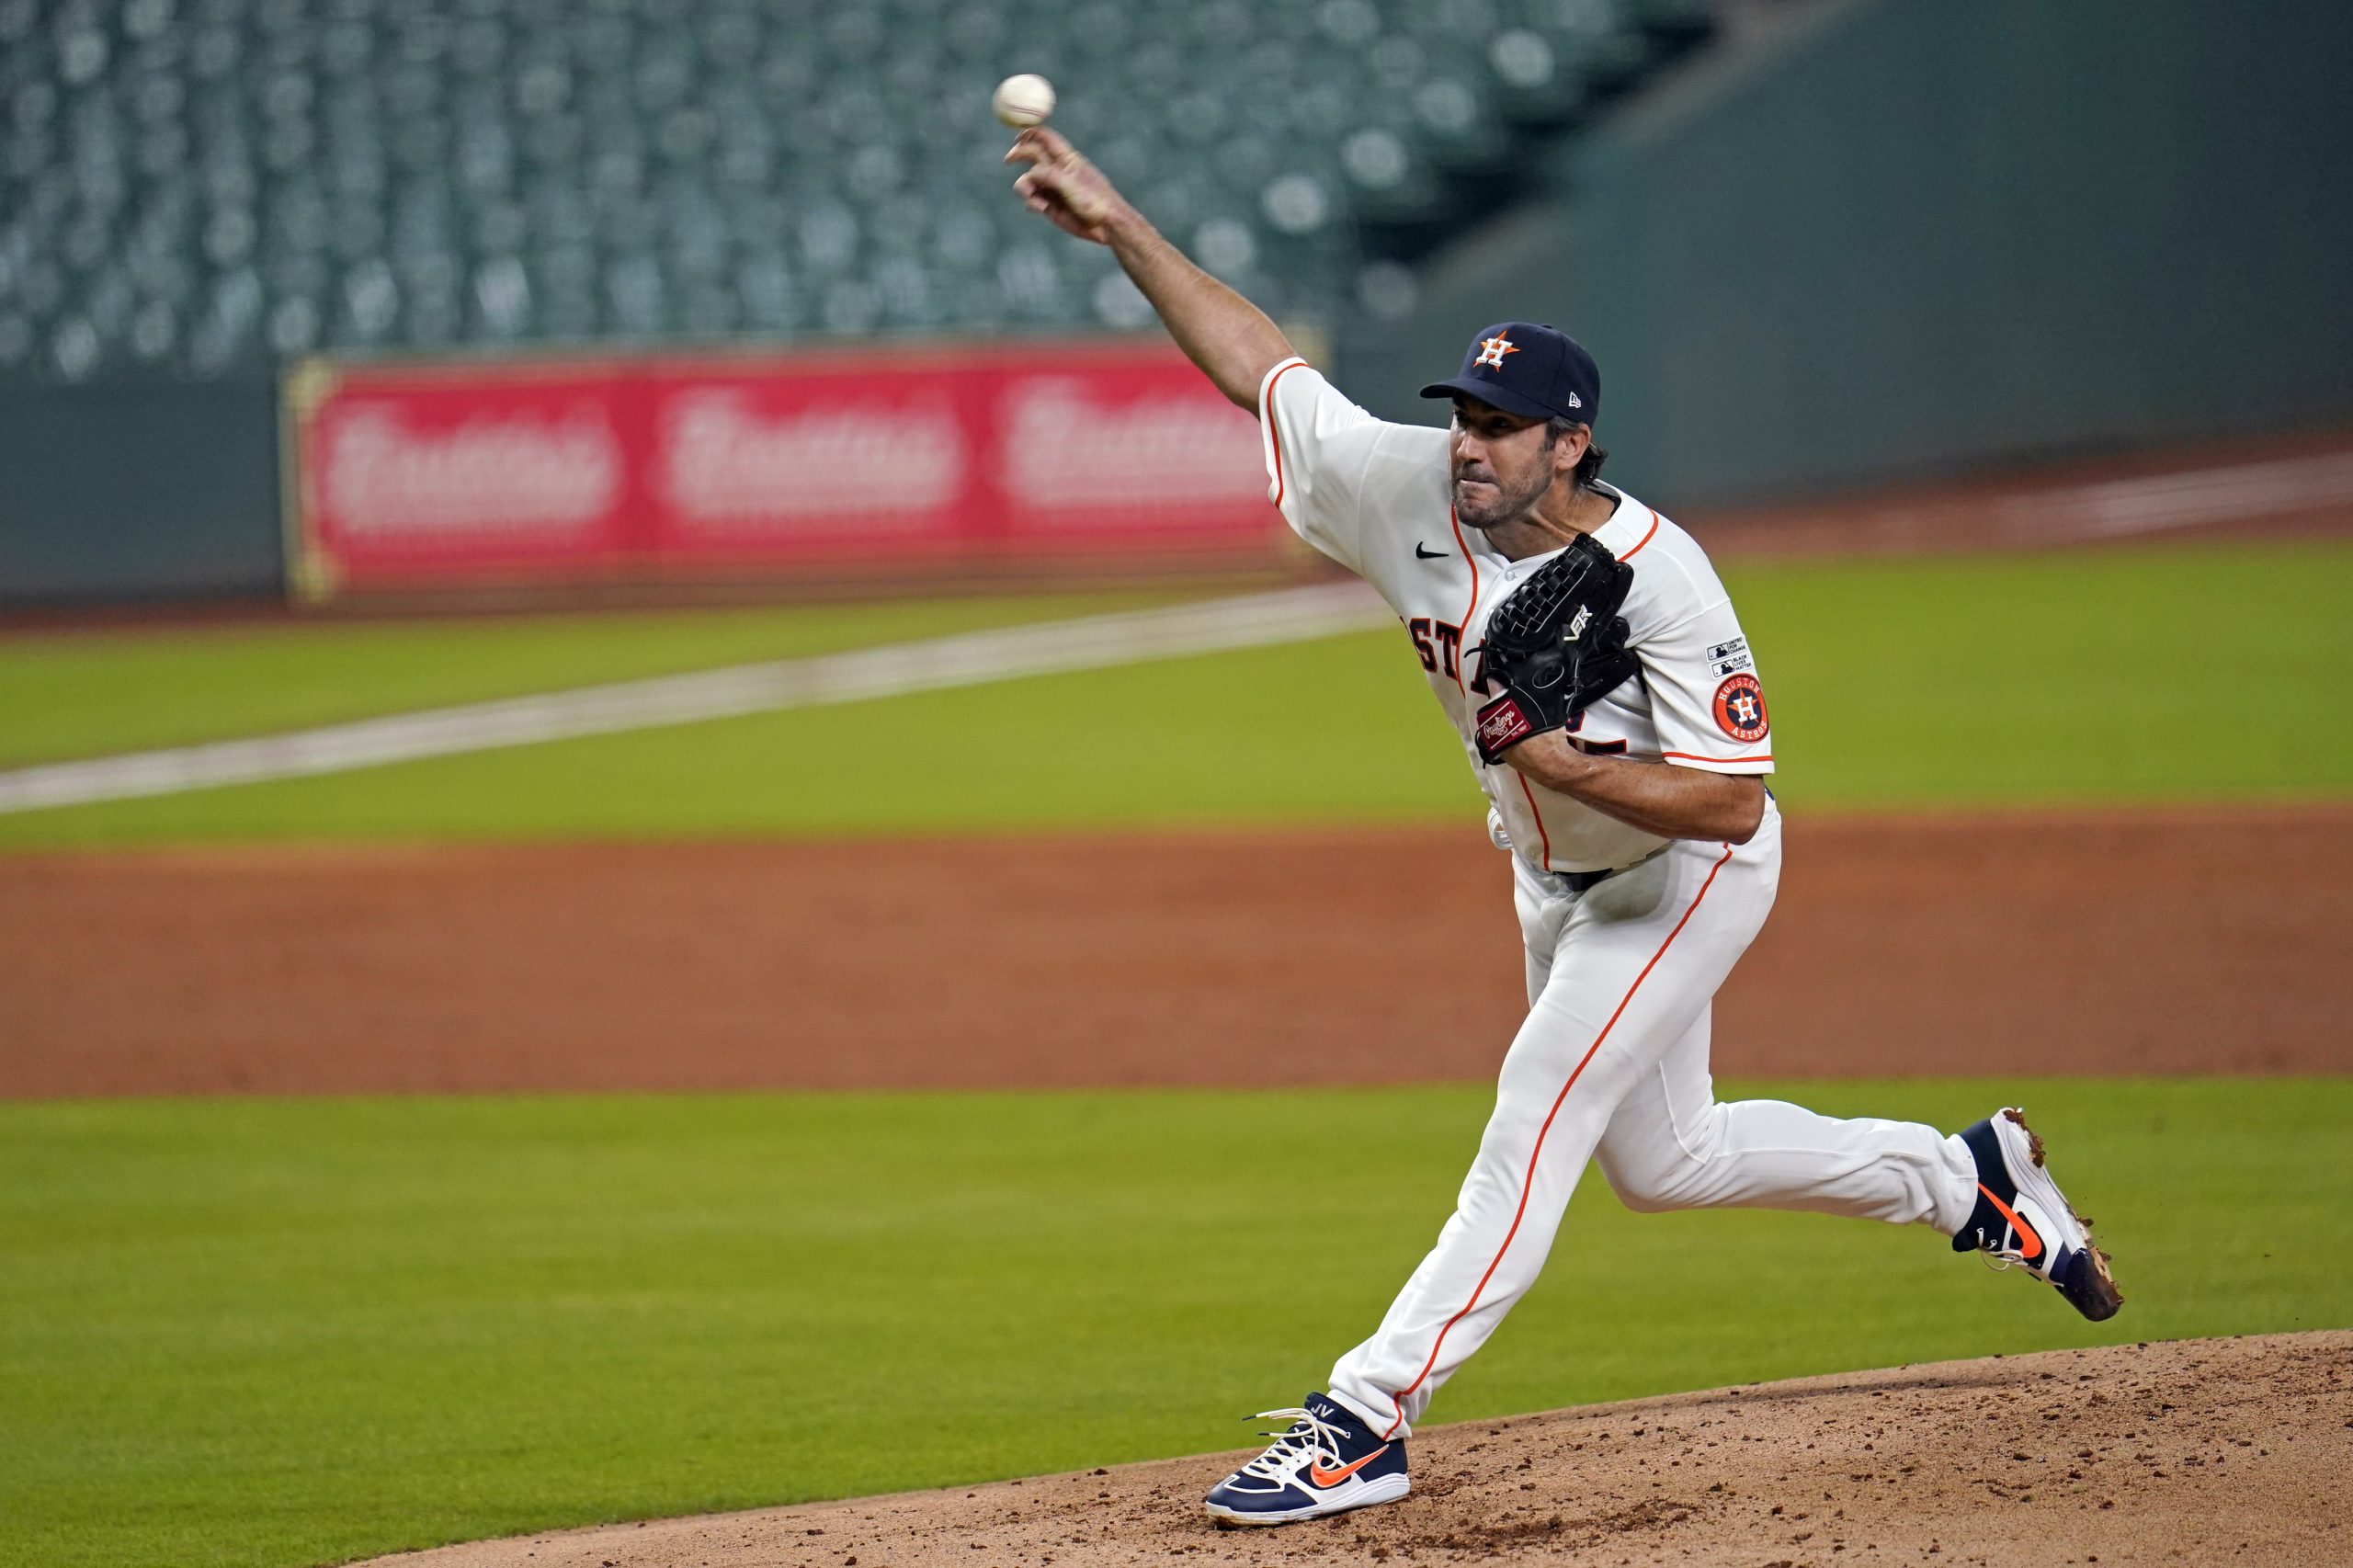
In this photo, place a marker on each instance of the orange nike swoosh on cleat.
(2032, 1247)
(1321, 1477)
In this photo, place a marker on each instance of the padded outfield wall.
(1901, 237)
(139, 489)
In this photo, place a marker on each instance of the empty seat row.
(192, 187)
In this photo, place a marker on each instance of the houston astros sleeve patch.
(1740, 709)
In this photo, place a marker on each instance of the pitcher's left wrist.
(1507, 721)
(1551, 758)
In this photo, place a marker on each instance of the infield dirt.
(2095, 942)
(2219, 1450)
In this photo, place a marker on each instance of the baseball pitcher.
(1615, 714)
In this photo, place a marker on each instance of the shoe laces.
(2001, 1254)
(1304, 1437)
(1995, 1249)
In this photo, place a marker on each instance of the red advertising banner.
(465, 474)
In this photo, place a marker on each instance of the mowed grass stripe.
(972, 658)
(79, 694)
(280, 1332)
(2180, 674)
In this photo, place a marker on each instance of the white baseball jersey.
(1376, 498)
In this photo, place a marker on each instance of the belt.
(1586, 881)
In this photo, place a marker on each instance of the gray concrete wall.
(1906, 236)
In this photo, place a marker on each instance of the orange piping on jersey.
(1464, 656)
(1695, 757)
(1542, 836)
(1644, 540)
(1529, 1176)
(1274, 426)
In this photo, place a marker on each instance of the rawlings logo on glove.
(1555, 645)
(1502, 724)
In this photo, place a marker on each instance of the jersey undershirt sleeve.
(1318, 445)
(1707, 703)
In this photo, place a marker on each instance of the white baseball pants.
(1612, 1062)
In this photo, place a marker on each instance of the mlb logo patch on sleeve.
(1740, 709)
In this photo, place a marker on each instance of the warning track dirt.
(2213, 1450)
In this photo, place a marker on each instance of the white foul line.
(1251, 621)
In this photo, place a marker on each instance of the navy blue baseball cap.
(1533, 371)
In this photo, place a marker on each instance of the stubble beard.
(1509, 506)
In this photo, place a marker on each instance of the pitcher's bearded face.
(1503, 463)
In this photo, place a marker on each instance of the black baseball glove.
(1555, 645)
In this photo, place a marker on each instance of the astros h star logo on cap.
(1528, 370)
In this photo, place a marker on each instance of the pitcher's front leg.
(1637, 962)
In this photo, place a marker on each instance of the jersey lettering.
(1437, 641)
(1591, 748)
(1449, 642)
(1418, 629)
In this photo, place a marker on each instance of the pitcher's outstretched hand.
(1062, 187)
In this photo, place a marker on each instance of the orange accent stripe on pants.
(1527, 1179)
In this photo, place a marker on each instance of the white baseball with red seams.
(1612, 1059)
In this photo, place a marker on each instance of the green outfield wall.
(131, 490)
(1894, 237)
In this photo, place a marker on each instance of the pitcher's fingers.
(1036, 146)
(1044, 180)
(1037, 187)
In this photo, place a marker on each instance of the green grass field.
(275, 1332)
(252, 1331)
(2186, 673)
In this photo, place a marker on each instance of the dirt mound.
(2199, 1451)
(2151, 941)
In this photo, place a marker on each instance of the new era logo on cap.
(1529, 370)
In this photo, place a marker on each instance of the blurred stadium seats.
(195, 188)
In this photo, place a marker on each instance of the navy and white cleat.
(1327, 1463)
(2022, 1219)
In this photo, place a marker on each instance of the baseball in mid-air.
(1023, 101)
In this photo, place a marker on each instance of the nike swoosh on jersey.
(1422, 553)
(1321, 1477)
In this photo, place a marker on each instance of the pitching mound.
(2212, 1450)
